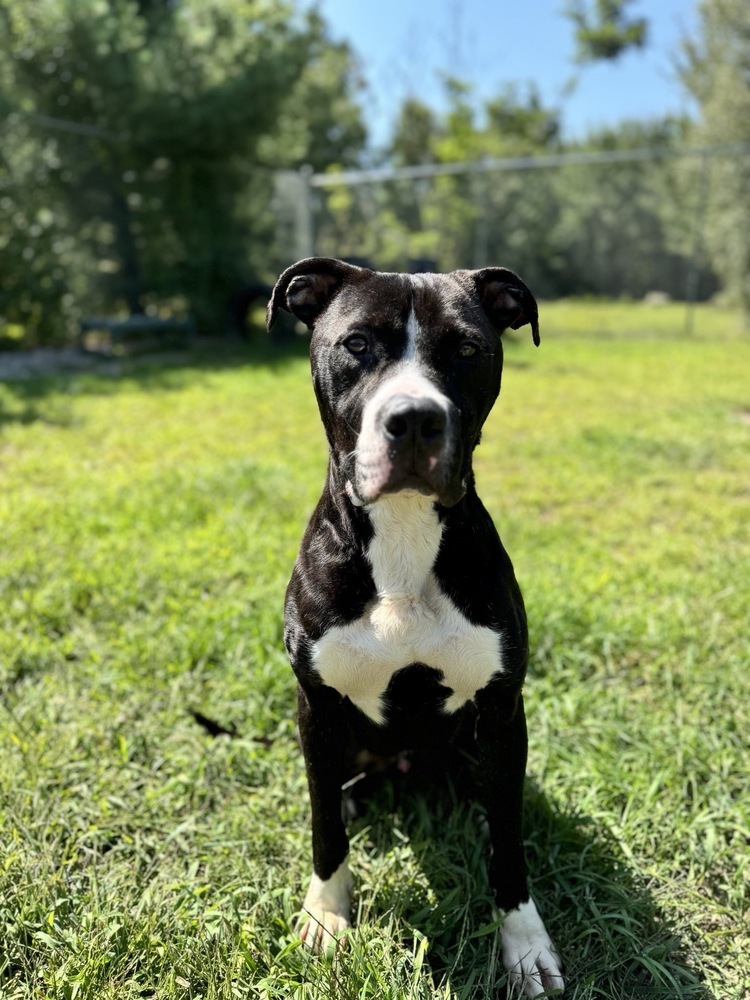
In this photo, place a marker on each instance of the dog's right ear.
(306, 288)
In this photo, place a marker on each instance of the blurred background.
(163, 159)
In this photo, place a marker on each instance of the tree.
(181, 112)
(623, 228)
(605, 32)
(414, 133)
(715, 68)
(455, 221)
(608, 229)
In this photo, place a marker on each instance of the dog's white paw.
(528, 953)
(326, 909)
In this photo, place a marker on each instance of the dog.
(404, 623)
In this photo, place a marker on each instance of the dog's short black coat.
(405, 370)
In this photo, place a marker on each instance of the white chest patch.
(410, 620)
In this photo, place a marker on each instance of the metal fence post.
(482, 220)
(304, 229)
(693, 271)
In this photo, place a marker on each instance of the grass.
(149, 523)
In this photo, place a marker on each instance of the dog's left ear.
(507, 300)
(306, 288)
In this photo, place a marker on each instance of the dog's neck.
(405, 543)
(400, 534)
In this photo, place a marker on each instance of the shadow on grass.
(614, 940)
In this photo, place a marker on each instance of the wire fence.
(89, 224)
(620, 222)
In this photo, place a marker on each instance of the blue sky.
(403, 44)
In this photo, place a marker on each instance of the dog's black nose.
(418, 422)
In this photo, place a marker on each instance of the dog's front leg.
(528, 953)
(322, 729)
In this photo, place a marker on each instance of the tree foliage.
(625, 228)
(604, 31)
(449, 220)
(715, 69)
(621, 228)
(181, 113)
(143, 142)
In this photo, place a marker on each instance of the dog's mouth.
(395, 474)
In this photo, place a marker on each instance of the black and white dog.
(404, 622)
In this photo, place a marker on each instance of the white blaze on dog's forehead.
(410, 620)
(412, 331)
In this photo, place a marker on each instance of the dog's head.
(406, 368)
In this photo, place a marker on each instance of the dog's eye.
(356, 344)
(468, 349)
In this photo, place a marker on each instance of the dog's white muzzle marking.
(373, 457)
(373, 453)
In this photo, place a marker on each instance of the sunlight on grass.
(149, 525)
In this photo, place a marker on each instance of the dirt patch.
(15, 365)
(18, 365)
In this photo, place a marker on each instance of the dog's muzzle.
(409, 440)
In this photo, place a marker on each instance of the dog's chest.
(410, 620)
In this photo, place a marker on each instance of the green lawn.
(149, 523)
